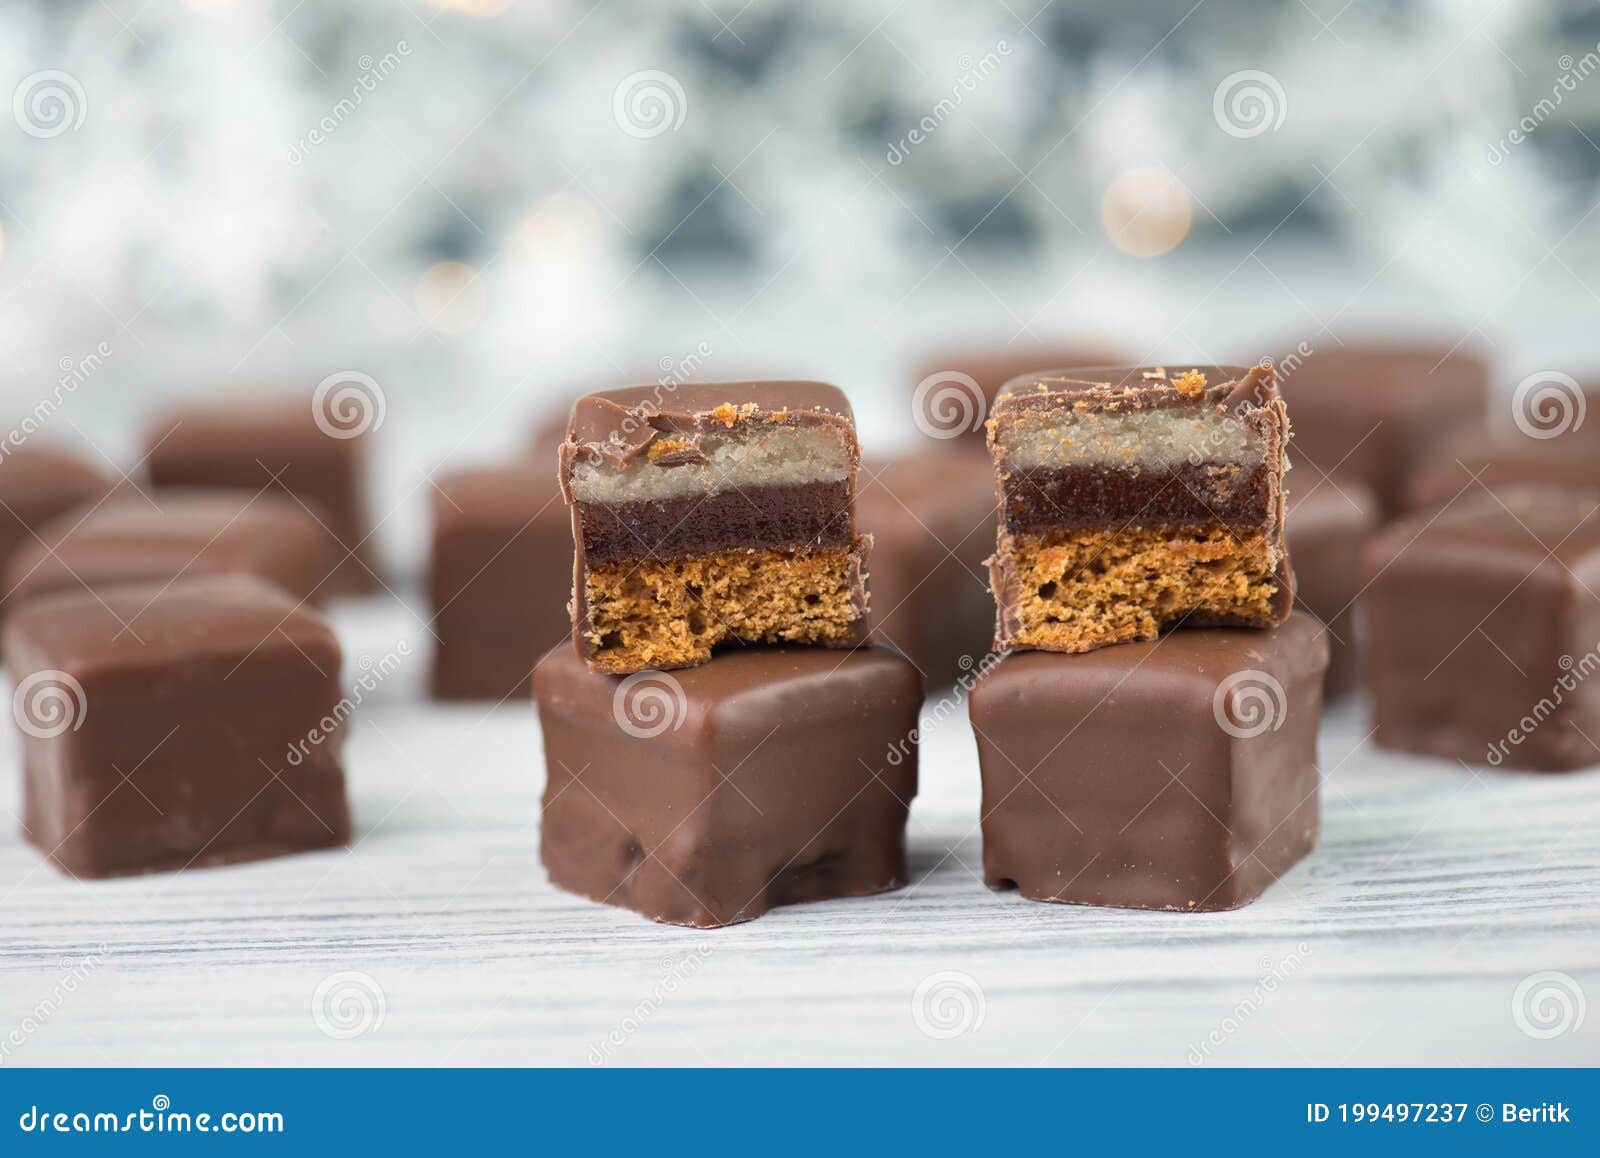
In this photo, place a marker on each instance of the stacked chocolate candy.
(1132, 767)
(717, 740)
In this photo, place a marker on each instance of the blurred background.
(489, 205)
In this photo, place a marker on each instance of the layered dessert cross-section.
(710, 514)
(1136, 499)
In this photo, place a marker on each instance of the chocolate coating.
(38, 484)
(176, 725)
(1371, 411)
(1328, 524)
(707, 796)
(279, 446)
(1462, 466)
(500, 578)
(139, 538)
(932, 517)
(1484, 630)
(1110, 779)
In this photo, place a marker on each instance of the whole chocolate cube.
(500, 580)
(1328, 524)
(709, 795)
(298, 447)
(134, 538)
(176, 725)
(1484, 630)
(932, 518)
(1178, 774)
(1372, 411)
(37, 485)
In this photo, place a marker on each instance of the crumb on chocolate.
(1159, 374)
(727, 414)
(1190, 383)
(670, 445)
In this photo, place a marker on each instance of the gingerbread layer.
(1078, 590)
(652, 614)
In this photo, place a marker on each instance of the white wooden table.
(436, 940)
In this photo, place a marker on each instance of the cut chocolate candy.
(1328, 524)
(712, 514)
(293, 447)
(37, 485)
(1371, 411)
(135, 538)
(1484, 630)
(1134, 500)
(931, 517)
(500, 580)
(956, 389)
(168, 726)
(1179, 774)
(706, 797)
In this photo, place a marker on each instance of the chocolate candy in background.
(289, 446)
(932, 517)
(1178, 774)
(136, 537)
(1460, 468)
(175, 725)
(39, 484)
(944, 406)
(1328, 524)
(1483, 628)
(769, 776)
(500, 579)
(1372, 410)
(711, 514)
(1135, 500)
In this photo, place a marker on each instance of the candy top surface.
(619, 424)
(517, 493)
(147, 626)
(757, 687)
(1139, 388)
(1522, 523)
(31, 473)
(1187, 663)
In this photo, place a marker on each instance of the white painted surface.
(1433, 895)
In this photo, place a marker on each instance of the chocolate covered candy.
(1372, 411)
(38, 484)
(1133, 500)
(707, 796)
(1327, 525)
(134, 538)
(293, 447)
(1462, 467)
(711, 514)
(500, 578)
(931, 517)
(167, 726)
(1178, 774)
(1484, 630)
